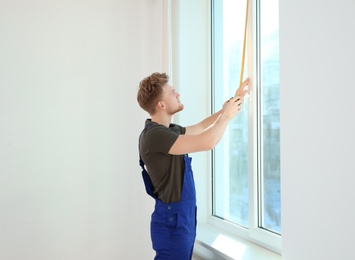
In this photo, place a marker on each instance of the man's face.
(171, 100)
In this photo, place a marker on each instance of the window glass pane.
(270, 118)
(231, 154)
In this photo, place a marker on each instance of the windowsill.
(213, 243)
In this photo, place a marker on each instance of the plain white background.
(70, 182)
(317, 129)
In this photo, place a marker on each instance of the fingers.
(232, 107)
(245, 82)
(243, 88)
(237, 99)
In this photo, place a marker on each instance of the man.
(168, 178)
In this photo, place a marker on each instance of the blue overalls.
(173, 225)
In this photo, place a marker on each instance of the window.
(246, 163)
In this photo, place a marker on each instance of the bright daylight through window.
(246, 163)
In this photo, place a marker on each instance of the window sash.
(255, 230)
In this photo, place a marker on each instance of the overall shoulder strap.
(146, 179)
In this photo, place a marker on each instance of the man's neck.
(162, 119)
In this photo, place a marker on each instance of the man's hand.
(232, 106)
(243, 89)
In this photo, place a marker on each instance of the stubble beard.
(180, 108)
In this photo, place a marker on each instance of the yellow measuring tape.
(244, 48)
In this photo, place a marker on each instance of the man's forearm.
(215, 131)
(208, 121)
(203, 125)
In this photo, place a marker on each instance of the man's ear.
(160, 105)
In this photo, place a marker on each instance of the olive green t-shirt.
(166, 171)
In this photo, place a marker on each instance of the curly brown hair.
(150, 91)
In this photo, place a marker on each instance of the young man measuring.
(166, 166)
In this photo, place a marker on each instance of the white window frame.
(174, 20)
(254, 233)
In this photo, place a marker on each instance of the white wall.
(70, 184)
(317, 129)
